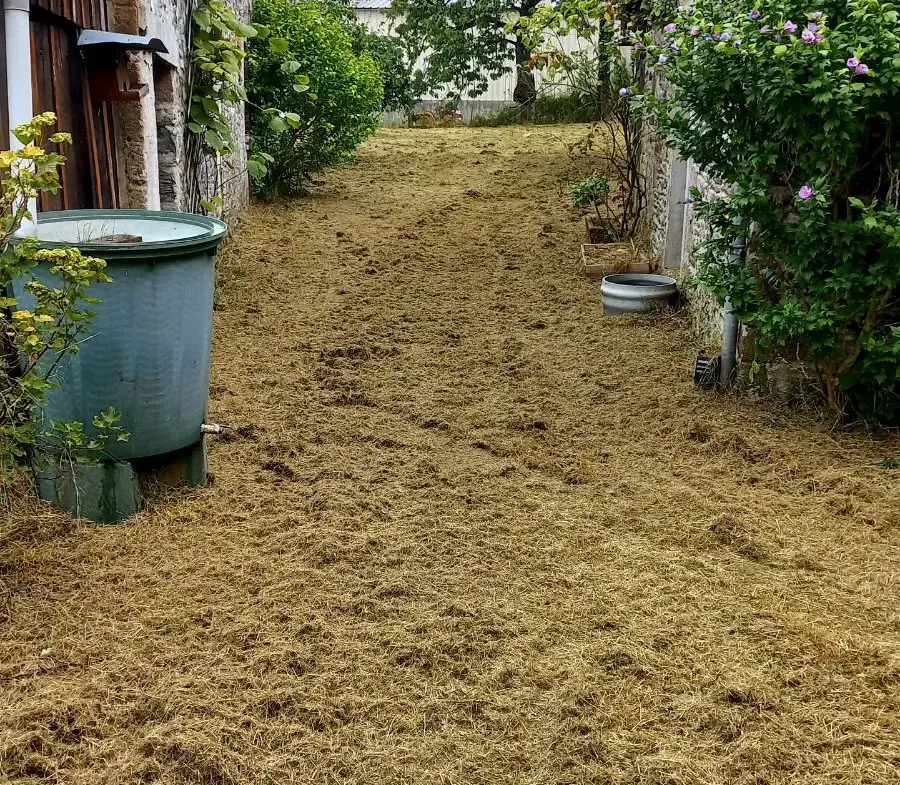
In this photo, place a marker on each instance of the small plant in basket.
(594, 194)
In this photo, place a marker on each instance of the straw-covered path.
(467, 531)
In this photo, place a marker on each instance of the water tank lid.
(129, 234)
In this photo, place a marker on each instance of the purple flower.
(675, 48)
(695, 31)
(754, 15)
(707, 37)
(670, 28)
(663, 59)
(808, 36)
(765, 29)
(638, 46)
(817, 15)
(790, 27)
(725, 36)
(625, 92)
(806, 193)
(813, 26)
(853, 63)
(862, 69)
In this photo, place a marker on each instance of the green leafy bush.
(37, 333)
(504, 115)
(549, 108)
(567, 107)
(403, 87)
(797, 106)
(316, 127)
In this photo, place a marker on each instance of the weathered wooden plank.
(62, 107)
(109, 160)
(44, 97)
(94, 150)
(60, 84)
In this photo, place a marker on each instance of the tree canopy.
(467, 43)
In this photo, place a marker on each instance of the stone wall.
(674, 228)
(160, 164)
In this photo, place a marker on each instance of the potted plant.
(605, 253)
(593, 194)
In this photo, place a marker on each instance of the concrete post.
(674, 250)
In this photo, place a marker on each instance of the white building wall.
(500, 90)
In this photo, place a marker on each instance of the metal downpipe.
(731, 324)
(20, 100)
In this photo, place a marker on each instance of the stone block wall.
(160, 165)
(674, 228)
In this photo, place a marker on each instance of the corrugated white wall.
(499, 90)
(375, 19)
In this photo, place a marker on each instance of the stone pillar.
(136, 139)
(138, 160)
(677, 196)
(170, 125)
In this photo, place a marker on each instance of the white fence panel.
(500, 90)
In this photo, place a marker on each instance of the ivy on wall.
(217, 59)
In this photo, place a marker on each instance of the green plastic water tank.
(147, 353)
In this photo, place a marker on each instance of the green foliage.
(797, 107)
(596, 194)
(549, 108)
(567, 107)
(403, 87)
(313, 128)
(467, 44)
(504, 115)
(217, 56)
(590, 193)
(34, 340)
(587, 72)
(599, 79)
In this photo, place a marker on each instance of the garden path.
(468, 531)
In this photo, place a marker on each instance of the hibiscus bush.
(797, 106)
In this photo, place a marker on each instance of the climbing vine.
(217, 57)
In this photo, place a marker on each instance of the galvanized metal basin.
(636, 293)
(147, 353)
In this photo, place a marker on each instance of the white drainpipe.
(18, 72)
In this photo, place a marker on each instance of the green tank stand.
(110, 491)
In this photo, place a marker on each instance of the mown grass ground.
(468, 532)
